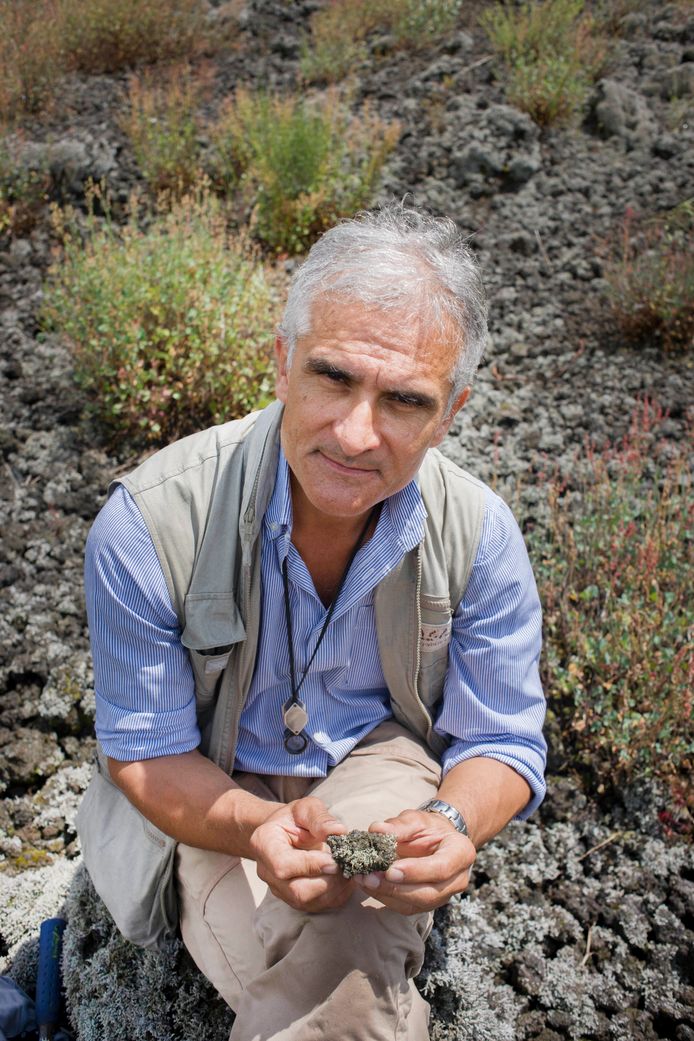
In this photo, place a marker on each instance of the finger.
(407, 826)
(285, 862)
(411, 899)
(313, 815)
(450, 861)
(413, 844)
(420, 902)
(314, 895)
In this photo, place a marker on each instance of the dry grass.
(41, 40)
(162, 124)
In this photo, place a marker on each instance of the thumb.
(313, 815)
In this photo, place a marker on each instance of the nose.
(356, 430)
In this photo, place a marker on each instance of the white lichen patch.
(568, 986)
(28, 898)
(59, 799)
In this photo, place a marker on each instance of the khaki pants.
(293, 976)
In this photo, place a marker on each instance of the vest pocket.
(213, 627)
(434, 638)
(208, 667)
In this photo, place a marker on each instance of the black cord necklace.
(294, 714)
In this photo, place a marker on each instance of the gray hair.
(396, 258)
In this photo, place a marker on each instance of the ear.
(282, 379)
(445, 424)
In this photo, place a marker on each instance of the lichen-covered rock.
(27, 755)
(27, 899)
(124, 993)
(359, 852)
(513, 927)
(619, 111)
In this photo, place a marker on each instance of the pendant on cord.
(294, 714)
(295, 719)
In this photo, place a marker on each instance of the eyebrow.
(323, 367)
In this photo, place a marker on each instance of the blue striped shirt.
(145, 702)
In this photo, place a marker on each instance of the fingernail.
(372, 881)
(395, 875)
(329, 869)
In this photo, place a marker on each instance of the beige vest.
(203, 500)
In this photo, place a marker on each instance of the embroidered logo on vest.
(435, 637)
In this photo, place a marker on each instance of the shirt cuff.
(525, 760)
(127, 735)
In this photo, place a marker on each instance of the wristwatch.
(448, 811)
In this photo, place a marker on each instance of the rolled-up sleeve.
(145, 694)
(493, 704)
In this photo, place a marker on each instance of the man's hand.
(433, 864)
(292, 857)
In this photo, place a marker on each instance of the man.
(308, 621)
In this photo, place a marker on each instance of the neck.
(326, 543)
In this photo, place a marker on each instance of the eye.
(333, 375)
(408, 401)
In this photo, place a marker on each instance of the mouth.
(344, 468)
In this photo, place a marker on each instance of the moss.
(360, 852)
(31, 857)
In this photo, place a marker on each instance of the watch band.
(446, 810)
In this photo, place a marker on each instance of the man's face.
(366, 396)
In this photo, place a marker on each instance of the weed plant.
(171, 327)
(415, 23)
(106, 35)
(338, 33)
(24, 191)
(550, 53)
(41, 40)
(649, 269)
(31, 55)
(162, 126)
(301, 164)
(614, 571)
(337, 41)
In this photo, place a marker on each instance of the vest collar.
(261, 454)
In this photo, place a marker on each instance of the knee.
(363, 935)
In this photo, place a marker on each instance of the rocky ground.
(579, 924)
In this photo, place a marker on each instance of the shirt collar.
(403, 514)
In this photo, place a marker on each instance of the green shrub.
(171, 327)
(550, 53)
(107, 35)
(31, 58)
(23, 191)
(418, 22)
(301, 164)
(649, 268)
(336, 42)
(162, 126)
(613, 566)
(339, 30)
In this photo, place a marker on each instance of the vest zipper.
(235, 705)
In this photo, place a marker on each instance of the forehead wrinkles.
(351, 324)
